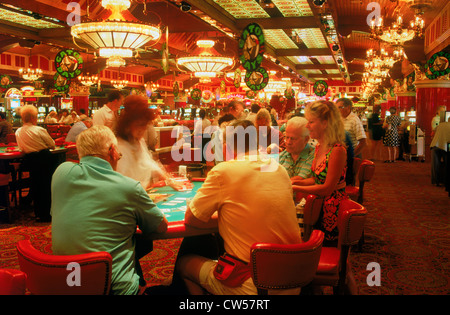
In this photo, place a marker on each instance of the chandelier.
(88, 80)
(397, 34)
(30, 74)
(119, 84)
(205, 61)
(115, 38)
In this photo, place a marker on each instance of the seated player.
(95, 209)
(298, 155)
(250, 199)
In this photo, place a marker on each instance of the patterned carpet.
(407, 234)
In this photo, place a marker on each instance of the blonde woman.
(329, 165)
(270, 139)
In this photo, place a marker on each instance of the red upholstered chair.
(365, 174)
(12, 282)
(281, 266)
(333, 266)
(311, 213)
(48, 274)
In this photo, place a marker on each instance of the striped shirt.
(355, 128)
(301, 167)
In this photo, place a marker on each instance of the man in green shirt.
(94, 208)
(298, 155)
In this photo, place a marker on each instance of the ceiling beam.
(312, 76)
(316, 67)
(278, 22)
(303, 52)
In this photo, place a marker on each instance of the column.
(430, 94)
(405, 100)
(80, 101)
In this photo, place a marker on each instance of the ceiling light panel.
(24, 19)
(278, 39)
(243, 9)
(325, 59)
(300, 59)
(312, 37)
(293, 8)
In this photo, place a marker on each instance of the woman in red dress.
(329, 164)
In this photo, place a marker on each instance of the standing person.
(107, 115)
(201, 126)
(353, 125)
(329, 165)
(391, 139)
(5, 128)
(97, 209)
(376, 132)
(36, 143)
(136, 161)
(254, 109)
(439, 147)
(227, 199)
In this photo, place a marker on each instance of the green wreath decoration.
(289, 94)
(433, 70)
(321, 92)
(5, 81)
(196, 94)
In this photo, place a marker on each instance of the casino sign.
(252, 47)
(68, 63)
(257, 80)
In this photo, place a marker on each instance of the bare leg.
(189, 269)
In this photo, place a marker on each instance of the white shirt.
(104, 116)
(32, 138)
(355, 128)
(136, 162)
(442, 136)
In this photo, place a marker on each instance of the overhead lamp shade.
(205, 59)
(115, 34)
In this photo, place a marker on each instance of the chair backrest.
(356, 164)
(351, 220)
(12, 282)
(285, 266)
(311, 213)
(55, 275)
(366, 171)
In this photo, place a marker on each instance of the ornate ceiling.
(304, 41)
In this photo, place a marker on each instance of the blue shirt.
(76, 129)
(94, 208)
(302, 166)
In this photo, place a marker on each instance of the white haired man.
(298, 155)
(95, 208)
(36, 143)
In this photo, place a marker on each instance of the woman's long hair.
(326, 110)
(135, 110)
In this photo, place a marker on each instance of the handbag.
(231, 271)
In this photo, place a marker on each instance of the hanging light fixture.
(397, 34)
(88, 80)
(115, 38)
(119, 84)
(205, 61)
(30, 73)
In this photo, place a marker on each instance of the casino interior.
(189, 56)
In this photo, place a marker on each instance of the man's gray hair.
(28, 113)
(95, 141)
(298, 122)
